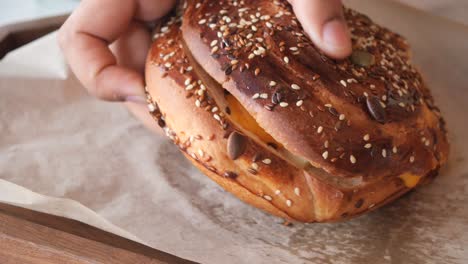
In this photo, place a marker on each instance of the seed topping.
(375, 109)
(236, 145)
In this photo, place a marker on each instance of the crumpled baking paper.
(106, 169)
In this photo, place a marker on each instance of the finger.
(324, 22)
(84, 39)
(131, 48)
(150, 10)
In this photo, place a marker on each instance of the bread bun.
(259, 109)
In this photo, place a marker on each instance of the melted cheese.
(410, 180)
(240, 116)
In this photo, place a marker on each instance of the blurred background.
(452, 9)
(12, 11)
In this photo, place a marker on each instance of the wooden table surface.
(28, 236)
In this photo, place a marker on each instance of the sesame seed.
(325, 155)
(257, 71)
(277, 192)
(267, 197)
(255, 96)
(383, 104)
(326, 144)
(295, 86)
(343, 82)
(299, 103)
(272, 83)
(384, 153)
(201, 153)
(352, 159)
(251, 56)
(286, 60)
(264, 95)
(268, 24)
(395, 150)
(411, 159)
(189, 87)
(319, 129)
(366, 137)
(217, 117)
(198, 103)
(227, 19)
(297, 191)
(254, 166)
(328, 105)
(201, 22)
(342, 117)
(368, 146)
(284, 104)
(151, 107)
(289, 203)
(259, 51)
(213, 43)
(267, 161)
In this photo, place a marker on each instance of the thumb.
(324, 22)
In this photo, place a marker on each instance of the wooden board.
(16, 35)
(28, 236)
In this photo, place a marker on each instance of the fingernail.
(136, 99)
(335, 34)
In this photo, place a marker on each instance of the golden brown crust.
(203, 137)
(183, 102)
(332, 95)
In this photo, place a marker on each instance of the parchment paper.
(58, 141)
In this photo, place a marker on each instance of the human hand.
(105, 42)
(324, 22)
(111, 72)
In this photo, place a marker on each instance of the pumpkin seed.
(362, 58)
